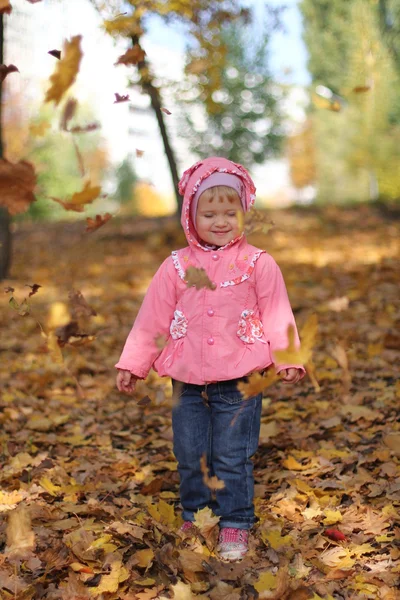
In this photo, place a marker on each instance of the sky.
(40, 27)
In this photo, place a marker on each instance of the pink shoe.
(233, 543)
(186, 526)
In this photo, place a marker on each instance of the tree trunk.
(5, 231)
(153, 92)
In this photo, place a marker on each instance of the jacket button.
(210, 341)
(210, 312)
(215, 257)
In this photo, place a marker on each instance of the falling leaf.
(5, 7)
(257, 383)
(66, 70)
(166, 111)
(39, 129)
(53, 347)
(17, 182)
(34, 288)
(20, 536)
(85, 128)
(213, 483)
(6, 70)
(55, 53)
(145, 401)
(119, 98)
(361, 88)
(302, 355)
(139, 153)
(198, 278)
(80, 199)
(79, 307)
(132, 56)
(98, 221)
(256, 220)
(67, 113)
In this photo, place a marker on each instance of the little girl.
(215, 338)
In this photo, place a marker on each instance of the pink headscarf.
(212, 181)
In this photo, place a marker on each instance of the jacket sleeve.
(153, 319)
(275, 310)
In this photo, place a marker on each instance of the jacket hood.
(190, 182)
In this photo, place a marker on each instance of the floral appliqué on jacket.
(250, 327)
(178, 327)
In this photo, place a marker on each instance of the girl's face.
(217, 217)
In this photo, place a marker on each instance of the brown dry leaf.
(198, 278)
(139, 153)
(66, 70)
(98, 221)
(166, 111)
(80, 199)
(79, 307)
(20, 536)
(359, 89)
(55, 53)
(85, 128)
(5, 7)
(132, 56)
(17, 182)
(213, 483)
(68, 112)
(119, 98)
(6, 70)
(34, 289)
(257, 383)
(224, 591)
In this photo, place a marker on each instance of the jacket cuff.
(280, 368)
(139, 373)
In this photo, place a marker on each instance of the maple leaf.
(55, 53)
(6, 70)
(337, 557)
(98, 221)
(79, 199)
(257, 383)
(20, 536)
(213, 483)
(198, 278)
(132, 56)
(110, 582)
(17, 182)
(5, 7)
(302, 355)
(66, 70)
(119, 98)
(67, 113)
(205, 520)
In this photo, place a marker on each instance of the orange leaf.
(17, 182)
(79, 199)
(132, 56)
(98, 221)
(5, 7)
(66, 70)
(139, 153)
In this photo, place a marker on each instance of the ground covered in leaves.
(89, 503)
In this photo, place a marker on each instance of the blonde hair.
(218, 190)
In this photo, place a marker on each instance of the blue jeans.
(225, 429)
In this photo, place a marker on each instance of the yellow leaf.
(100, 542)
(87, 195)
(9, 500)
(337, 557)
(147, 581)
(144, 557)
(125, 26)
(362, 549)
(275, 540)
(205, 520)
(162, 512)
(109, 583)
(66, 70)
(39, 129)
(292, 464)
(303, 355)
(20, 536)
(332, 516)
(266, 582)
(54, 348)
(257, 383)
(182, 591)
(50, 487)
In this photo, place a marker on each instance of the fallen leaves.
(66, 70)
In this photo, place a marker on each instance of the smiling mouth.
(221, 232)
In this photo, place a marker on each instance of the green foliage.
(126, 180)
(243, 122)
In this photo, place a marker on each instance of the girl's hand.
(291, 375)
(126, 381)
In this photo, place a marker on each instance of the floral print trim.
(250, 327)
(177, 264)
(178, 327)
(246, 275)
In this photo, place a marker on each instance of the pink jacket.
(212, 335)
